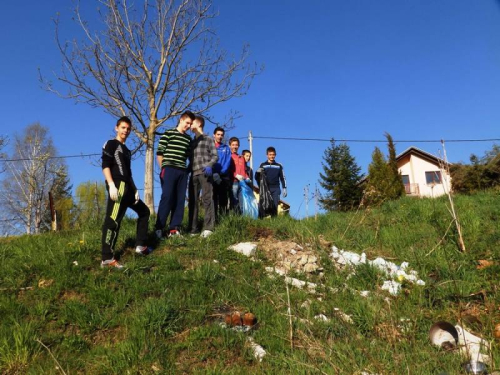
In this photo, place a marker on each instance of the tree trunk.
(149, 173)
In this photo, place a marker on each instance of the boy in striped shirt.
(172, 154)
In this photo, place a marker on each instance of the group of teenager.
(211, 171)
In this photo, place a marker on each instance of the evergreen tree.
(63, 201)
(378, 179)
(396, 188)
(340, 179)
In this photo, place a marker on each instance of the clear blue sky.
(344, 69)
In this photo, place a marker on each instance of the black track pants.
(115, 212)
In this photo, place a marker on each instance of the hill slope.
(163, 313)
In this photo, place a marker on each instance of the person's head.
(234, 144)
(247, 155)
(271, 154)
(123, 128)
(198, 125)
(219, 134)
(185, 121)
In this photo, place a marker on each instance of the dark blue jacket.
(274, 174)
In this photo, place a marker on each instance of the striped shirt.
(175, 149)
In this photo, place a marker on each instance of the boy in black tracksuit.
(274, 174)
(116, 158)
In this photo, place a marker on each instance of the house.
(421, 173)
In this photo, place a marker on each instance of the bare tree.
(152, 63)
(3, 144)
(30, 175)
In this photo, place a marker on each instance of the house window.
(406, 179)
(433, 177)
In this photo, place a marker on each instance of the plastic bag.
(248, 203)
(266, 203)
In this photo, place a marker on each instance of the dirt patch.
(258, 233)
(108, 336)
(289, 255)
(71, 295)
(388, 332)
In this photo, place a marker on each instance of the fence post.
(96, 200)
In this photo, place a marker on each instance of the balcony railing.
(412, 189)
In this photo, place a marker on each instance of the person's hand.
(284, 192)
(239, 177)
(113, 192)
(137, 197)
(207, 171)
(217, 178)
(248, 181)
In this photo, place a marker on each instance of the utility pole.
(250, 143)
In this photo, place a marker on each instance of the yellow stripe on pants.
(116, 207)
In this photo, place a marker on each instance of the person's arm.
(212, 151)
(258, 173)
(283, 182)
(113, 191)
(161, 148)
(282, 177)
(225, 160)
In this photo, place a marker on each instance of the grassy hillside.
(163, 313)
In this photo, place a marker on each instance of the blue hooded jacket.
(222, 165)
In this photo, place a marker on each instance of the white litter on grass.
(346, 318)
(392, 287)
(246, 248)
(243, 329)
(258, 351)
(364, 293)
(471, 345)
(311, 287)
(322, 318)
(399, 273)
(75, 263)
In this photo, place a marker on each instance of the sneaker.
(174, 233)
(112, 264)
(143, 250)
(205, 233)
(159, 234)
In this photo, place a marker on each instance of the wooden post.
(53, 215)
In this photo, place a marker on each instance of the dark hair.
(246, 152)
(188, 114)
(234, 139)
(200, 119)
(270, 149)
(124, 119)
(219, 129)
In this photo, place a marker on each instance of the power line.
(52, 157)
(380, 140)
(302, 139)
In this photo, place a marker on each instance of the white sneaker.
(159, 234)
(205, 233)
(112, 264)
(143, 250)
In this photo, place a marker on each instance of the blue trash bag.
(248, 203)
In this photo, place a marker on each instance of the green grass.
(162, 314)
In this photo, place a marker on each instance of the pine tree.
(378, 183)
(396, 188)
(340, 179)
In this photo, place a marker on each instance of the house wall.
(415, 167)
